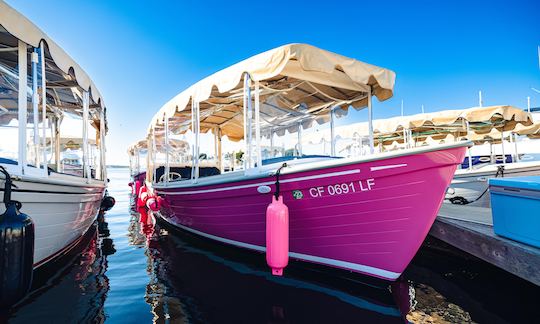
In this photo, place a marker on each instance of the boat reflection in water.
(74, 288)
(194, 280)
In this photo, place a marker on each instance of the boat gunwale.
(60, 182)
(320, 165)
(515, 167)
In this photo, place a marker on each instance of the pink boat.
(367, 213)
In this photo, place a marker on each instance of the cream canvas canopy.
(480, 119)
(137, 146)
(65, 79)
(456, 123)
(531, 131)
(72, 141)
(298, 83)
(22, 28)
(175, 145)
(439, 125)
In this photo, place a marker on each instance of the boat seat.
(185, 172)
(8, 161)
(288, 158)
(477, 160)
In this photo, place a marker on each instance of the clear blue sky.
(142, 53)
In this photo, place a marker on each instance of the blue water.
(130, 270)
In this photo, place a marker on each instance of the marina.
(272, 182)
(131, 273)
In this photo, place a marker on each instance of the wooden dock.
(470, 229)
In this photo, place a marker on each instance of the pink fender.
(153, 203)
(143, 196)
(277, 236)
(137, 187)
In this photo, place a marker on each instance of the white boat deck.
(473, 214)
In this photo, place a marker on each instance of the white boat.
(472, 185)
(46, 98)
(495, 155)
(486, 127)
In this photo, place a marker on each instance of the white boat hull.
(470, 184)
(62, 211)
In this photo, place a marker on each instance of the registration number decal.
(342, 188)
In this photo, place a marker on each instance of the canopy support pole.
(511, 153)
(515, 147)
(35, 108)
(86, 165)
(502, 147)
(249, 120)
(271, 143)
(57, 159)
(491, 157)
(258, 125)
(408, 139)
(332, 133)
(370, 122)
(218, 148)
(233, 161)
(167, 151)
(245, 108)
(197, 142)
(299, 139)
(22, 105)
(193, 113)
(405, 139)
(43, 106)
(152, 156)
(102, 146)
(468, 148)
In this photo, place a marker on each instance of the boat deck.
(470, 229)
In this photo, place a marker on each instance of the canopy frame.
(286, 89)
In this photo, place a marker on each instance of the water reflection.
(193, 280)
(74, 288)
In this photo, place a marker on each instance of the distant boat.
(59, 185)
(483, 126)
(366, 214)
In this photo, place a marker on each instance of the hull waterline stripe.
(341, 264)
(385, 167)
(319, 176)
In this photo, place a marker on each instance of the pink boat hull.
(370, 217)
